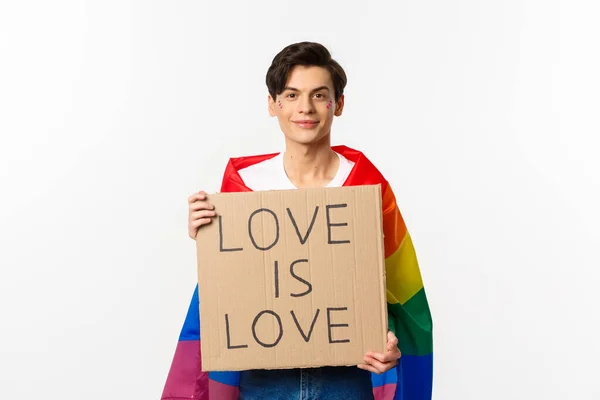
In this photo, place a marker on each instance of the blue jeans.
(325, 383)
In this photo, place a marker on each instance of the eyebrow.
(314, 90)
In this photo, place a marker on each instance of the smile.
(306, 124)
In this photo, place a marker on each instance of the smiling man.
(306, 91)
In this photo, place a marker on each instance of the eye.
(291, 95)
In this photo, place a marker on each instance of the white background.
(483, 115)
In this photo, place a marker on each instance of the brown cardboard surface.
(273, 296)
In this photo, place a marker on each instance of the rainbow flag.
(408, 310)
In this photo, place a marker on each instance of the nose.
(305, 105)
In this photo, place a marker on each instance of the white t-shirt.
(270, 174)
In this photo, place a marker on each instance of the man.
(306, 90)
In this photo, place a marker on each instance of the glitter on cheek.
(329, 105)
(279, 102)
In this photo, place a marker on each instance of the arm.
(408, 309)
(409, 318)
(186, 379)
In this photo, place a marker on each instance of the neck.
(310, 165)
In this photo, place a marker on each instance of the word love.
(292, 278)
(273, 317)
(302, 237)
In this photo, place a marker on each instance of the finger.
(368, 367)
(197, 196)
(201, 205)
(380, 366)
(202, 214)
(199, 222)
(387, 357)
(375, 363)
(392, 341)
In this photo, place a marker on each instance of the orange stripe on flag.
(394, 228)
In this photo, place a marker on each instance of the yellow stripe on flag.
(402, 273)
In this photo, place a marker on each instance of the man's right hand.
(200, 212)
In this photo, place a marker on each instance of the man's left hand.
(380, 363)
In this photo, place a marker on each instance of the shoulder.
(232, 176)
(364, 171)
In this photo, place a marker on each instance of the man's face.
(306, 107)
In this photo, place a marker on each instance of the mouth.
(306, 123)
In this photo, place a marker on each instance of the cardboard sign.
(292, 278)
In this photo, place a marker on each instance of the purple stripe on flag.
(385, 392)
(185, 379)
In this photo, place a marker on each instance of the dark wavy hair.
(306, 54)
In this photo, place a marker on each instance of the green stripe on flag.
(411, 323)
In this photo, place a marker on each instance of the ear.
(272, 111)
(339, 106)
